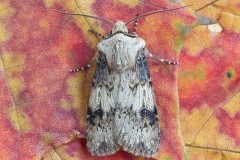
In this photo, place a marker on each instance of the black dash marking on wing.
(91, 116)
(142, 68)
(133, 87)
(101, 72)
(152, 116)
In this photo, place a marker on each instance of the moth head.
(119, 27)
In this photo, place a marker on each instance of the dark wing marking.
(100, 112)
(101, 72)
(136, 121)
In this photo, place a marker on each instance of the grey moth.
(122, 111)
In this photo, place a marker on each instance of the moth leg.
(149, 55)
(87, 66)
(136, 25)
(97, 34)
(81, 69)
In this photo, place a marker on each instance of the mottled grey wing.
(136, 126)
(100, 112)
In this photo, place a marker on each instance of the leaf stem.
(212, 148)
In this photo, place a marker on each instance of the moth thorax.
(119, 27)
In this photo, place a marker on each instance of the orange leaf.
(209, 85)
(43, 106)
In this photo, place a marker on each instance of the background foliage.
(43, 106)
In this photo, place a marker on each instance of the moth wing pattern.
(136, 120)
(100, 112)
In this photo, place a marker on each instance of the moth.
(122, 111)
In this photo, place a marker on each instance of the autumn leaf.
(43, 106)
(209, 85)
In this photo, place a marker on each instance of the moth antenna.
(85, 15)
(154, 12)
